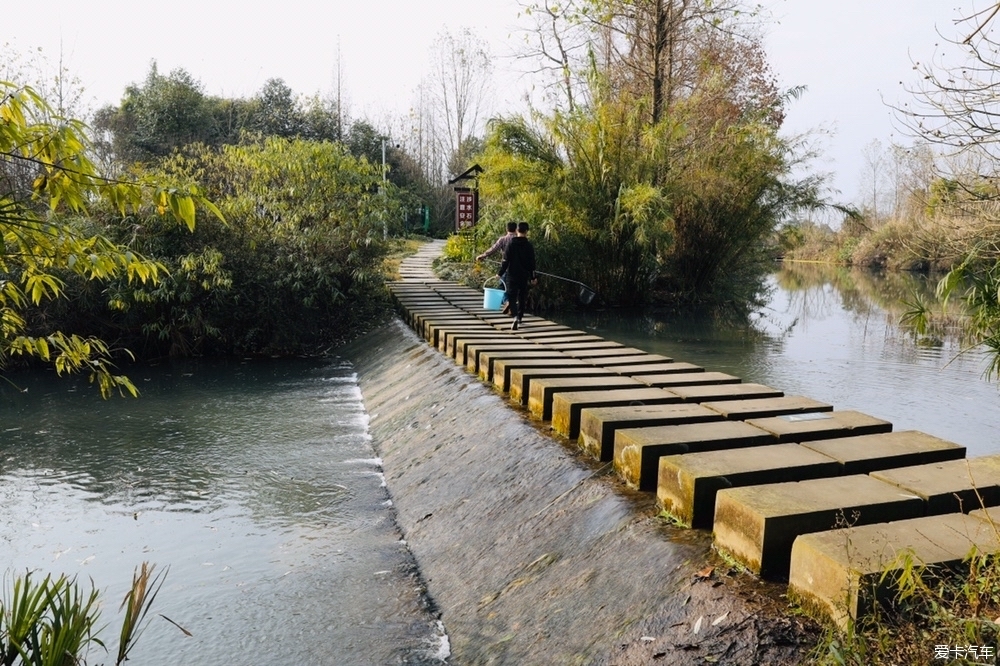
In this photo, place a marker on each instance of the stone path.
(788, 485)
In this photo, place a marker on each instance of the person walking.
(519, 266)
(501, 246)
(501, 243)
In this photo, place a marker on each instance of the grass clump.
(920, 614)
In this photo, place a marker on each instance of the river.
(834, 334)
(256, 482)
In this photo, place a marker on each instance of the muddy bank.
(535, 555)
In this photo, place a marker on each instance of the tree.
(457, 89)
(49, 188)
(276, 111)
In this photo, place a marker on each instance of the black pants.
(517, 295)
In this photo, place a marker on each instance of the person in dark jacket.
(501, 247)
(519, 265)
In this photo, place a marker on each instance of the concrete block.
(870, 453)
(572, 337)
(688, 379)
(839, 573)
(719, 392)
(582, 346)
(687, 483)
(566, 407)
(658, 368)
(637, 451)
(488, 358)
(630, 359)
(951, 486)
(600, 426)
(521, 378)
(503, 367)
(448, 337)
(542, 389)
(821, 425)
(598, 355)
(469, 350)
(756, 525)
(758, 408)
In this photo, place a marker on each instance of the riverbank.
(531, 553)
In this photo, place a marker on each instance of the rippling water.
(255, 483)
(834, 335)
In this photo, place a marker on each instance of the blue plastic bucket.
(492, 298)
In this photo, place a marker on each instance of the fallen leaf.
(719, 619)
(697, 625)
(705, 573)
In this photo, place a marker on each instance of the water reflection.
(833, 334)
(255, 482)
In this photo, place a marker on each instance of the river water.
(257, 485)
(834, 334)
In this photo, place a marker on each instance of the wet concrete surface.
(535, 555)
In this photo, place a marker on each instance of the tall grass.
(54, 621)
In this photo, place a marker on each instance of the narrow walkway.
(788, 485)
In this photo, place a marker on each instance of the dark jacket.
(519, 260)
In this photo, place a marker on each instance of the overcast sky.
(850, 54)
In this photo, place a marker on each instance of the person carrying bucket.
(519, 267)
(501, 246)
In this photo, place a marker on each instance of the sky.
(851, 55)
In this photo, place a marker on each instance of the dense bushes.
(294, 267)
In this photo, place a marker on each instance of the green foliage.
(296, 267)
(685, 204)
(49, 188)
(977, 281)
(53, 621)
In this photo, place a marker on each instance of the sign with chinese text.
(466, 207)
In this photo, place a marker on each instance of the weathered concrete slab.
(529, 333)
(758, 408)
(756, 525)
(839, 574)
(598, 355)
(688, 379)
(717, 392)
(414, 316)
(574, 338)
(953, 486)
(599, 427)
(644, 358)
(488, 358)
(541, 327)
(566, 407)
(520, 379)
(580, 346)
(637, 454)
(446, 333)
(426, 325)
(821, 425)
(542, 389)
(469, 333)
(870, 453)
(687, 483)
(469, 350)
(654, 368)
(502, 368)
